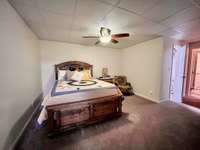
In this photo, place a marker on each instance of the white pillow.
(61, 74)
(69, 74)
(77, 76)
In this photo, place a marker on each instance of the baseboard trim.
(36, 105)
(147, 98)
(164, 100)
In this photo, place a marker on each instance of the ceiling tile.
(31, 3)
(86, 28)
(91, 10)
(138, 6)
(183, 16)
(54, 20)
(87, 20)
(58, 6)
(28, 13)
(57, 34)
(186, 34)
(118, 20)
(76, 37)
(147, 27)
(39, 29)
(192, 26)
(166, 8)
(173, 34)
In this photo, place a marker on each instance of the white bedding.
(63, 86)
(52, 100)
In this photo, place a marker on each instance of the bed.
(76, 104)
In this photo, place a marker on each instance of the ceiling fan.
(106, 36)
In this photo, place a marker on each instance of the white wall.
(56, 52)
(142, 66)
(20, 77)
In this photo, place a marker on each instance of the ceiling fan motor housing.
(104, 32)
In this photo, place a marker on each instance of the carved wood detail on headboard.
(73, 65)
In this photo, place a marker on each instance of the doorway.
(195, 81)
(191, 95)
(177, 72)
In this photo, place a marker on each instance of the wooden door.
(190, 68)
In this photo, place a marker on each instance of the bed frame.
(73, 114)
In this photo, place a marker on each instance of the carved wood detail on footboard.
(68, 116)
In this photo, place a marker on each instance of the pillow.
(61, 74)
(77, 76)
(86, 75)
(69, 74)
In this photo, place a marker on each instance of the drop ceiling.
(69, 20)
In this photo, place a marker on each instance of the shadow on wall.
(20, 124)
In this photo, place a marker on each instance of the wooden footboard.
(71, 115)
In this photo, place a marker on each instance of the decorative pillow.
(61, 74)
(86, 75)
(69, 74)
(77, 76)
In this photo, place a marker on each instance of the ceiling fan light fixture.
(105, 39)
(106, 36)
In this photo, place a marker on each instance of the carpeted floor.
(143, 126)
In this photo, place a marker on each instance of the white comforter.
(63, 86)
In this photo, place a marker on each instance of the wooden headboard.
(73, 65)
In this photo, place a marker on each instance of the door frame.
(179, 44)
(188, 67)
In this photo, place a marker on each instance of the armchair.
(124, 86)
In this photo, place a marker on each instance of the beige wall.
(142, 65)
(56, 52)
(20, 77)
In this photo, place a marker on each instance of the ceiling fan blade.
(90, 36)
(97, 42)
(120, 35)
(114, 41)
